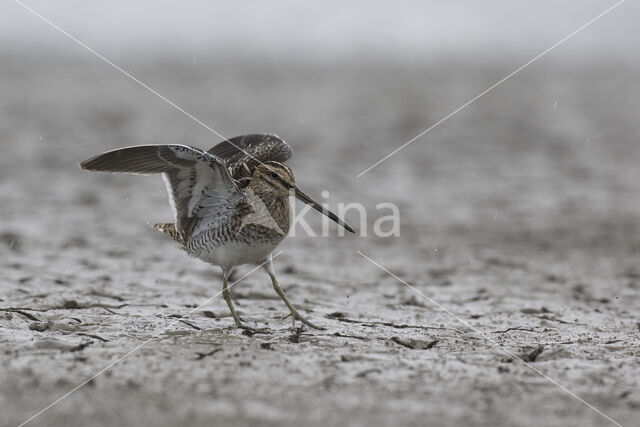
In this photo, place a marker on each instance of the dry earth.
(520, 216)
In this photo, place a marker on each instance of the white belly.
(233, 254)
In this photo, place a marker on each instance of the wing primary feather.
(143, 159)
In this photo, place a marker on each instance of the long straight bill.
(299, 194)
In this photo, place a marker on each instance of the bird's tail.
(170, 229)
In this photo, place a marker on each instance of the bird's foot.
(304, 321)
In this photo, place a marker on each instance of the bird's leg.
(227, 297)
(268, 266)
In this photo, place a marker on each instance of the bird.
(230, 203)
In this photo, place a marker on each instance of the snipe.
(231, 203)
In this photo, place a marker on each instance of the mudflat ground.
(520, 216)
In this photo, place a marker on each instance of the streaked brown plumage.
(231, 203)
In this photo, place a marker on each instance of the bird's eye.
(274, 174)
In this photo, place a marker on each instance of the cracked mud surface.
(520, 218)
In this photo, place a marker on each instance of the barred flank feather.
(170, 229)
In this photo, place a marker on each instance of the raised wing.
(201, 192)
(242, 154)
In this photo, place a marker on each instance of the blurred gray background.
(290, 30)
(519, 211)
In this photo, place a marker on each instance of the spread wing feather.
(251, 150)
(201, 191)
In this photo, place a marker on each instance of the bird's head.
(279, 178)
(275, 175)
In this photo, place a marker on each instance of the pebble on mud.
(41, 326)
